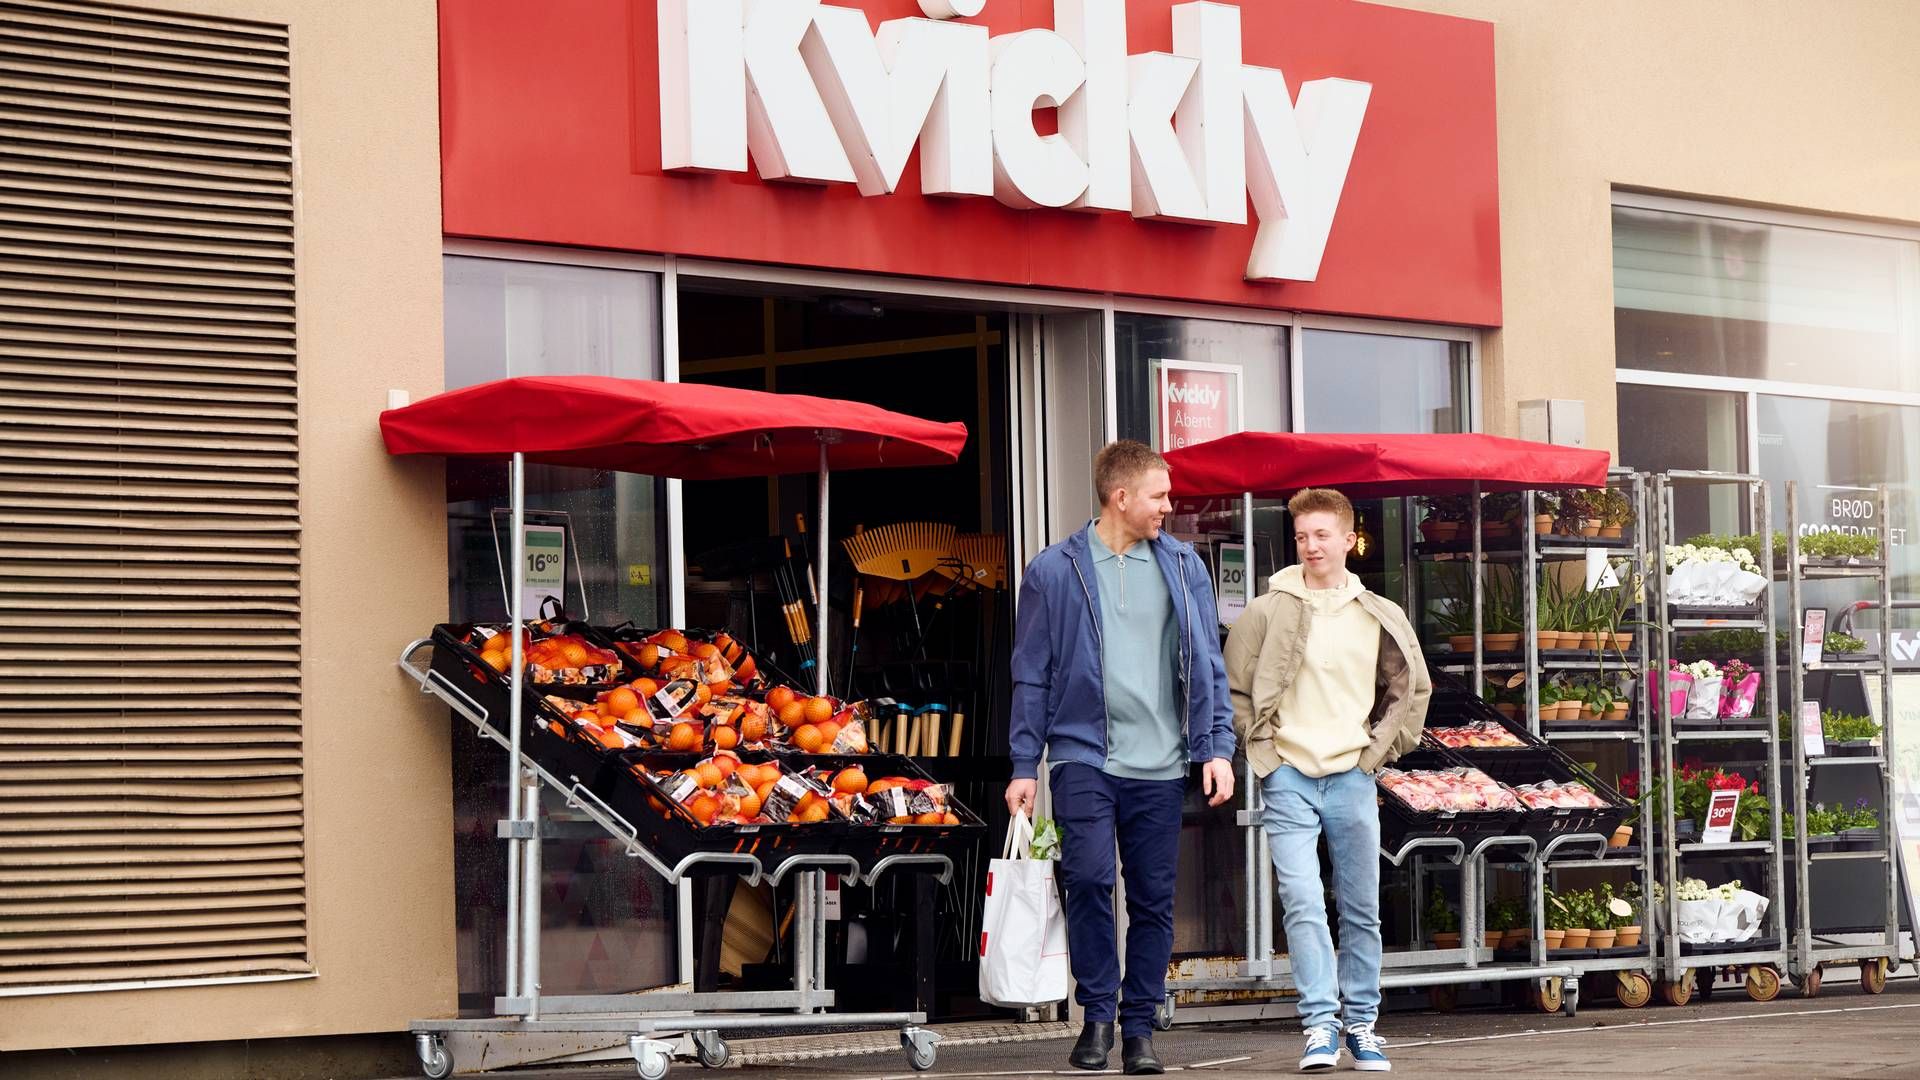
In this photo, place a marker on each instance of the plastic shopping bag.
(1023, 931)
(1703, 698)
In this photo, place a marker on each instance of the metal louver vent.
(151, 823)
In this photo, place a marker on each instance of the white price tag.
(1720, 814)
(1812, 739)
(546, 571)
(1813, 635)
(1230, 584)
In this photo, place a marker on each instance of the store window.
(1385, 383)
(1666, 428)
(609, 922)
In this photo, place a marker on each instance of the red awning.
(685, 430)
(1275, 464)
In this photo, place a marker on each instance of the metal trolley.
(646, 1019)
(1809, 954)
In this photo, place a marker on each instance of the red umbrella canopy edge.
(1277, 464)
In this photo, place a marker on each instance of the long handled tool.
(904, 551)
(853, 639)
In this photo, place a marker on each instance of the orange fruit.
(819, 710)
(702, 694)
(931, 818)
(649, 657)
(815, 814)
(498, 660)
(950, 819)
(744, 671)
(887, 784)
(709, 774)
(704, 651)
(557, 727)
(778, 697)
(574, 653)
(753, 729)
(684, 736)
(622, 701)
(760, 789)
(792, 714)
(725, 738)
(672, 640)
(807, 801)
(829, 731)
(645, 688)
(727, 764)
(749, 805)
(610, 739)
(808, 739)
(638, 718)
(703, 807)
(498, 642)
(850, 781)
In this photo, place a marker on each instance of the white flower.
(1701, 669)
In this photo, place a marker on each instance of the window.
(1666, 428)
(1385, 383)
(1839, 451)
(1147, 344)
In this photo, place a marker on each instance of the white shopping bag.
(1703, 698)
(1023, 931)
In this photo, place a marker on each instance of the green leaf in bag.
(1046, 839)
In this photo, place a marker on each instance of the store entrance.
(923, 555)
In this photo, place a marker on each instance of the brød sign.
(806, 91)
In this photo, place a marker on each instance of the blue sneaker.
(1323, 1049)
(1368, 1049)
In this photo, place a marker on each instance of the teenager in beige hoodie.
(1328, 684)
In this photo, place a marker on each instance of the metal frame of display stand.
(1676, 965)
(1807, 955)
(644, 1016)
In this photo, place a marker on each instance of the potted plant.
(1506, 925)
(1626, 910)
(1844, 647)
(1822, 827)
(1549, 603)
(1600, 914)
(1446, 518)
(1860, 827)
(1847, 735)
(1443, 926)
(1549, 698)
(1558, 919)
(1838, 549)
(1499, 513)
(1588, 505)
(1545, 506)
(1616, 513)
(1501, 610)
(1577, 925)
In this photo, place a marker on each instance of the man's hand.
(1020, 794)
(1216, 779)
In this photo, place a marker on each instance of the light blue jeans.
(1344, 807)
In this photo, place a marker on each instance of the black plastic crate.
(1400, 823)
(871, 843)
(666, 829)
(562, 750)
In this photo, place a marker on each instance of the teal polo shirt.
(1139, 661)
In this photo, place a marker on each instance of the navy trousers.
(1094, 811)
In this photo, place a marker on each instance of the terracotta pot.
(1508, 709)
(1429, 529)
(1601, 939)
(1611, 532)
(1566, 639)
(1576, 939)
(1556, 938)
(1587, 713)
(1444, 531)
(1589, 641)
(1516, 938)
(1543, 524)
(1503, 642)
(1460, 643)
(1620, 642)
(1445, 940)
(1569, 710)
(1621, 837)
(1547, 639)
(1619, 710)
(1627, 937)
(1589, 527)
(1492, 938)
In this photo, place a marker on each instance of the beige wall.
(379, 859)
(1801, 104)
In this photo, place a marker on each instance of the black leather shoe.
(1136, 1054)
(1091, 1051)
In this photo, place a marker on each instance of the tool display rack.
(1765, 958)
(659, 1026)
(1538, 554)
(1809, 955)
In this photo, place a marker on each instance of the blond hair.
(1322, 500)
(1120, 465)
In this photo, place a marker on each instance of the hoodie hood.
(1293, 580)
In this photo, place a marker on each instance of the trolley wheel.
(1704, 982)
(1570, 998)
(1763, 983)
(651, 1056)
(435, 1062)
(922, 1047)
(1810, 984)
(1443, 998)
(1873, 975)
(1679, 992)
(1163, 1015)
(1633, 988)
(711, 1049)
(1547, 995)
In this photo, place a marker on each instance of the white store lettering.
(807, 92)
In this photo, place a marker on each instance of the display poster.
(1813, 739)
(1198, 402)
(1900, 740)
(1720, 815)
(1230, 582)
(1813, 635)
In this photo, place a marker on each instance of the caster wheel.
(1705, 981)
(1810, 984)
(1547, 995)
(1570, 999)
(651, 1056)
(435, 1062)
(711, 1049)
(1873, 976)
(922, 1048)
(1678, 993)
(1634, 989)
(1443, 998)
(1763, 983)
(1163, 1015)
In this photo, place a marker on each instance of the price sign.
(1230, 585)
(1720, 814)
(545, 574)
(1813, 634)
(1813, 740)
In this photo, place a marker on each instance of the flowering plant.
(1735, 670)
(1678, 554)
(1699, 669)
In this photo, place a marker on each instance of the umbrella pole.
(820, 651)
(516, 581)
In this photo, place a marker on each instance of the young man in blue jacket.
(1118, 680)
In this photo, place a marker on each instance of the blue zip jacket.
(1059, 688)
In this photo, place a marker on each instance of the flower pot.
(1621, 837)
(1556, 938)
(1508, 709)
(1576, 939)
(1444, 531)
(1619, 710)
(1430, 529)
(1547, 639)
(1516, 938)
(1587, 713)
(1627, 937)
(1543, 524)
(1589, 641)
(1590, 527)
(1503, 642)
(1492, 938)
(1620, 642)
(1569, 710)
(1611, 532)
(1601, 939)
(1460, 643)
(1448, 939)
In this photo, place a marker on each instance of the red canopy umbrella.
(684, 430)
(1277, 464)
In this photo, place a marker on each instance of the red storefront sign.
(1198, 403)
(551, 133)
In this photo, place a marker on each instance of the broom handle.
(806, 557)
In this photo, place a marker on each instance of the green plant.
(1751, 542)
(1861, 816)
(1838, 726)
(1841, 644)
(1616, 510)
(1504, 915)
(1787, 826)
(1500, 506)
(1839, 545)
(1562, 911)
(1632, 898)
(1448, 508)
(1824, 822)
(1719, 644)
(1552, 692)
(1753, 818)
(1440, 918)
